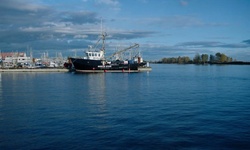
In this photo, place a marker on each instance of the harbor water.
(171, 107)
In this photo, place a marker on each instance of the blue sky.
(163, 28)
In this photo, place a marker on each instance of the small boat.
(95, 60)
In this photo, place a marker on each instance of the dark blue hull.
(87, 64)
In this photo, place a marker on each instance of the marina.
(80, 71)
(126, 60)
(20, 61)
(146, 69)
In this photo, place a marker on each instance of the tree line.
(198, 59)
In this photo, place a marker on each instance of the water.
(172, 107)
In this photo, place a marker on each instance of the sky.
(162, 28)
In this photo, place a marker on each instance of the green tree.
(204, 58)
(212, 58)
(223, 58)
(197, 58)
(173, 60)
(164, 60)
(218, 56)
(180, 60)
(186, 60)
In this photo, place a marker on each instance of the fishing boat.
(95, 60)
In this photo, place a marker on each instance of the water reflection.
(96, 87)
(97, 97)
(1, 86)
(1, 98)
(20, 76)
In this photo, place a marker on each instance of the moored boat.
(95, 61)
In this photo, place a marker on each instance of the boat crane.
(123, 50)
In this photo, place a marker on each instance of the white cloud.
(22, 5)
(79, 36)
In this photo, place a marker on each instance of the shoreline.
(209, 63)
(231, 63)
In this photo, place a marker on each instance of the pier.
(36, 70)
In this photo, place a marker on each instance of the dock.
(36, 70)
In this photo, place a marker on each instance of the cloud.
(246, 41)
(199, 44)
(79, 36)
(179, 21)
(209, 44)
(27, 22)
(21, 5)
(158, 51)
(81, 17)
(126, 35)
(20, 12)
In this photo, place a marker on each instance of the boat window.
(95, 54)
(99, 55)
(89, 54)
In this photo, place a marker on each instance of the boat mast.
(103, 38)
